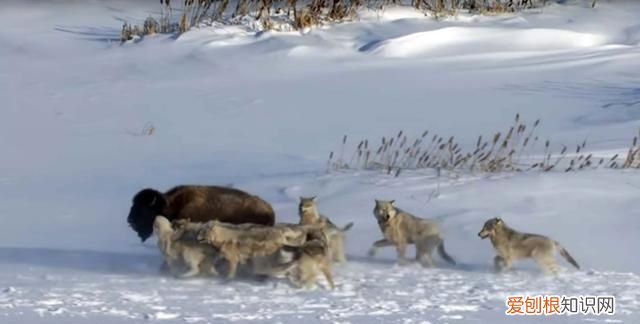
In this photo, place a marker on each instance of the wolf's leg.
(308, 275)
(500, 263)
(378, 244)
(231, 255)
(164, 268)
(190, 273)
(208, 265)
(192, 260)
(212, 271)
(426, 260)
(233, 267)
(549, 267)
(401, 248)
(546, 261)
(326, 270)
(295, 277)
(427, 247)
(423, 254)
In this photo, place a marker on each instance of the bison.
(198, 204)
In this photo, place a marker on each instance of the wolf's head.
(490, 227)
(307, 209)
(384, 210)
(307, 204)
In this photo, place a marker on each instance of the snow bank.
(473, 40)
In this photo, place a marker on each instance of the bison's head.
(147, 204)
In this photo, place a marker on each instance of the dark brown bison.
(199, 204)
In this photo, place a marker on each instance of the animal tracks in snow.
(383, 293)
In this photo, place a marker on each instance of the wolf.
(181, 251)
(309, 214)
(401, 228)
(238, 243)
(512, 245)
(309, 260)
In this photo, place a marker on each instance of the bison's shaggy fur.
(198, 204)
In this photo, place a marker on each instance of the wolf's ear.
(498, 220)
(391, 201)
(313, 198)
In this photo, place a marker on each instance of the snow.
(262, 111)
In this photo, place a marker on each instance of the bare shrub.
(151, 26)
(504, 151)
(305, 14)
(304, 18)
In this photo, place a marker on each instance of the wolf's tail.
(565, 254)
(443, 254)
(283, 269)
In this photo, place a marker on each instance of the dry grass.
(511, 150)
(132, 32)
(147, 130)
(299, 14)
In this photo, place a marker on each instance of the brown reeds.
(299, 15)
(505, 151)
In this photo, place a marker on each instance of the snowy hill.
(262, 111)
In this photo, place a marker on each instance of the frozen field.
(262, 111)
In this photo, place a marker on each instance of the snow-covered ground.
(263, 111)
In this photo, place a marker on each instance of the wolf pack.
(220, 231)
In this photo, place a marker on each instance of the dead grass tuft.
(269, 14)
(518, 148)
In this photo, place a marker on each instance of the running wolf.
(401, 228)
(512, 245)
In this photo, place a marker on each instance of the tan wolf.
(512, 245)
(310, 259)
(239, 243)
(309, 214)
(183, 253)
(401, 228)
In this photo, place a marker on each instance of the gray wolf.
(310, 260)
(309, 214)
(512, 245)
(238, 243)
(181, 252)
(401, 228)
